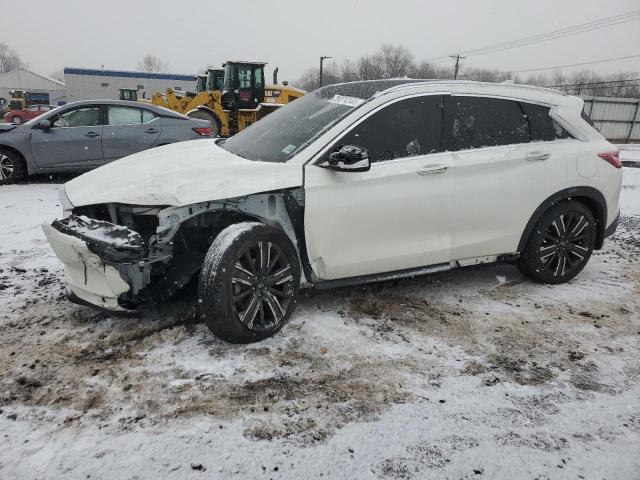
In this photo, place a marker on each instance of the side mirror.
(348, 158)
(43, 124)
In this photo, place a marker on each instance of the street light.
(322, 59)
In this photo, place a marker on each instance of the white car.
(351, 183)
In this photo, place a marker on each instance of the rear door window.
(475, 122)
(403, 129)
(128, 116)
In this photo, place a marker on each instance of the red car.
(21, 116)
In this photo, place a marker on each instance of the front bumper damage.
(105, 264)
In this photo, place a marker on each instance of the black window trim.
(319, 156)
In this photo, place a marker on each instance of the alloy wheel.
(566, 244)
(6, 167)
(16, 120)
(262, 286)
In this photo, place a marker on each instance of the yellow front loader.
(231, 99)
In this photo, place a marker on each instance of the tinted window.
(403, 129)
(474, 122)
(543, 127)
(79, 117)
(128, 116)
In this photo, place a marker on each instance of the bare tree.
(152, 63)
(9, 59)
(426, 70)
(393, 61)
(310, 78)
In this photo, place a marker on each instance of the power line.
(575, 64)
(564, 32)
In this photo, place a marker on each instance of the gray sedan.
(84, 135)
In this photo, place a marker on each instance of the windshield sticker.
(288, 149)
(348, 101)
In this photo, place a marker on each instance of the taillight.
(612, 157)
(204, 131)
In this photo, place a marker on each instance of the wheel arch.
(280, 209)
(588, 196)
(23, 157)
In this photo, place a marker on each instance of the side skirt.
(412, 272)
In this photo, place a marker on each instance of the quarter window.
(403, 129)
(543, 127)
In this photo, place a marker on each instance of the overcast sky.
(189, 35)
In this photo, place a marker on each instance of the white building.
(89, 84)
(23, 79)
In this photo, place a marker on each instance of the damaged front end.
(107, 265)
(118, 257)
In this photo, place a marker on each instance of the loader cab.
(201, 84)
(215, 79)
(243, 85)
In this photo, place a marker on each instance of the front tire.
(248, 283)
(12, 167)
(560, 245)
(16, 120)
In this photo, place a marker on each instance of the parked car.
(21, 116)
(352, 183)
(84, 135)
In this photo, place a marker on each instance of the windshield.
(278, 136)
(283, 133)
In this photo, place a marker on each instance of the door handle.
(434, 169)
(92, 134)
(536, 156)
(152, 130)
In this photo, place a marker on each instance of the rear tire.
(248, 283)
(204, 115)
(12, 167)
(560, 245)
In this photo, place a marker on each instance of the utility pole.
(322, 59)
(457, 67)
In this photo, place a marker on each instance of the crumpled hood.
(180, 174)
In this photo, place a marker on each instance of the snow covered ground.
(474, 373)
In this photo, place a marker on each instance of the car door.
(396, 216)
(500, 175)
(129, 130)
(31, 112)
(73, 141)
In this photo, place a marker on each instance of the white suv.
(351, 183)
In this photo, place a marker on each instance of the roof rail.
(469, 82)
